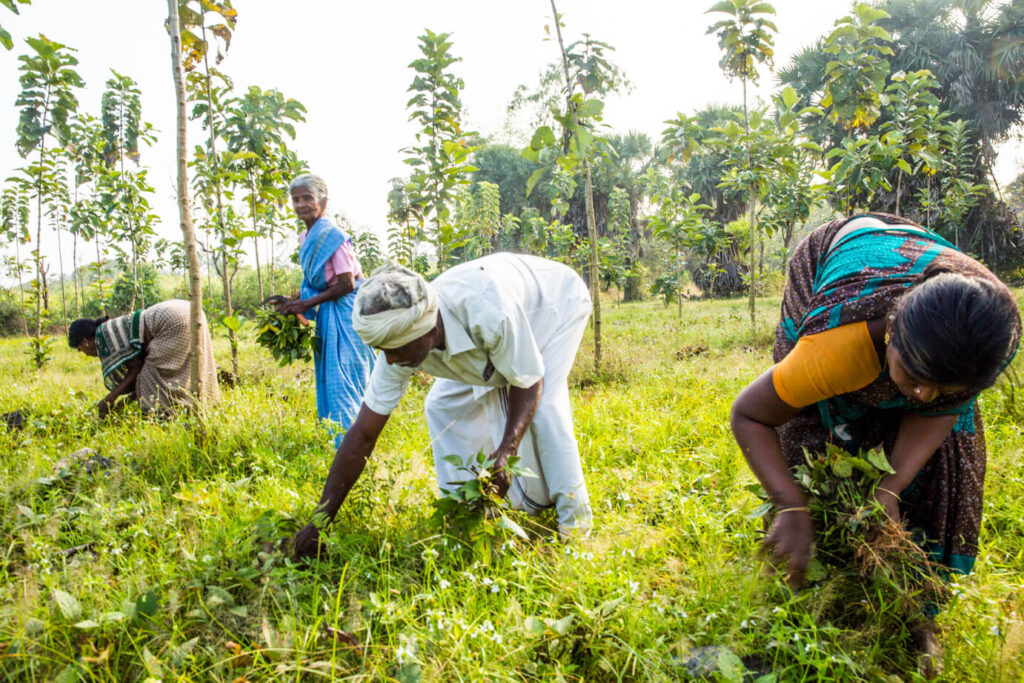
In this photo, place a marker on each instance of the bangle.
(802, 508)
(891, 493)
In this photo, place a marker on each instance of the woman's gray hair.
(312, 182)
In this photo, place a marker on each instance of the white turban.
(399, 324)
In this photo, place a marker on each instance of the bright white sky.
(348, 63)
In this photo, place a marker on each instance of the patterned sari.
(341, 360)
(165, 377)
(862, 277)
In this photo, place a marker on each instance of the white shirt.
(499, 311)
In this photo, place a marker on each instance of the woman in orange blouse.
(887, 335)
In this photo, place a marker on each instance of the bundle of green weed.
(287, 339)
(868, 567)
(474, 512)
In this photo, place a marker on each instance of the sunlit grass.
(168, 556)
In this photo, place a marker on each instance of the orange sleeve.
(827, 364)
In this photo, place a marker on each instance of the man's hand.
(789, 542)
(306, 543)
(500, 475)
(103, 408)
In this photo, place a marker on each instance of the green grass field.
(155, 568)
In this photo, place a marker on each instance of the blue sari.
(341, 360)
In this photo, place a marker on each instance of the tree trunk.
(21, 284)
(256, 239)
(60, 265)
(74, 265)
(899, 188)
(679, 285)
(228, 304)
(270, 262)
(588, 196)
(99, 276)
(40, 275)
(188, 234)
(595, 276)
(753, 218)
(135, 274)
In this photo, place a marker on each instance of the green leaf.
(148, 603)
(153, 666)
(842, 468)
(542, 137)
(533, 626)
(508, 525)
(68, 605)
(86, 625)
(730, 666)
(561, 626)
(590, 109)
(878, 459)
(534, 179)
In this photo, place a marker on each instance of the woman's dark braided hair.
(84, 328)
(954, 330)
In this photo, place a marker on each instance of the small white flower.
(443, 583)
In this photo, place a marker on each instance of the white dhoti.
(464, 419)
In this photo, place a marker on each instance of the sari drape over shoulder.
(118, 341)
(341, 360)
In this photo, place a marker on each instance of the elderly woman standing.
(331, 276)
(145, 356)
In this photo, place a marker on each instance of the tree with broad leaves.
(47, 99)
(404, 231)
(585, 65)
(912, 109)
(440, 157)
(256, 126)
(84, 151)
(122, 189)
(856, 72)
(746, 39)
(14, 227)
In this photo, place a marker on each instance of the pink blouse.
(344, 260)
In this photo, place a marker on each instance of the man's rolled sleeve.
(387, 386)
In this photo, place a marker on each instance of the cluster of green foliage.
(869, 563)
(473, 512)
(286, 337)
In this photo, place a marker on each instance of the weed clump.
(868, 572)
(473, 511)
(287, 339)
